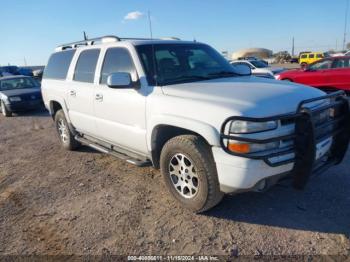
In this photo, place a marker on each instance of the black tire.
(198, 153)
(303, 65)
(5, 112)
(64, 133)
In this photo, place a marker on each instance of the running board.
(103, 149)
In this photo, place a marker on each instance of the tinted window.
(319, 56)
(341, 63)
(116, 60)
(18, 83)
(303, 56)
(86, 65)
(312, 56)
(58, 65)
(259, 64)
(325, 64)
(181, 63)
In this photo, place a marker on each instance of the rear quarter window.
(312, 56)
(58, 65)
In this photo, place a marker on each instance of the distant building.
(257, 52)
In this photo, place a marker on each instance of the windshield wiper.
(186, 78)
(224, 74)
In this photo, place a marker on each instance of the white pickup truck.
(180, 106)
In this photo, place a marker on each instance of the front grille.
(312, 125)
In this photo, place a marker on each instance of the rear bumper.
(301, 159)
(24, 105)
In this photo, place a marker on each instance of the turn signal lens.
(239, 148)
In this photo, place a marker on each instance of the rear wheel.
(64, 133)
(303, 65)
(190, 173)
(4, 110)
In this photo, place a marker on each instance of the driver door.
(316, 74)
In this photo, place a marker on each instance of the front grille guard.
(307, 135)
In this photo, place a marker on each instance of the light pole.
(346, 22)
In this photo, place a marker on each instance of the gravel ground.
(84, 202)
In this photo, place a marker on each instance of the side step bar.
(110, 151)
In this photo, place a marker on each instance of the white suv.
(181, 107)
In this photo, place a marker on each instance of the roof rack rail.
(92, 41)
(105, 39)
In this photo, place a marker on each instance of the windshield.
(181, 63)
(9, 69)
(258, 64)
(18, 83)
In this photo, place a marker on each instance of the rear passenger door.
(80, 92)
(120, 112)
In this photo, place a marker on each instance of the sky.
(30, 30)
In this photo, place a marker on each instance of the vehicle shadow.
(41, 112)
(324, 205)
(87, 149)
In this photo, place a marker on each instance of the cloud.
(133, 15)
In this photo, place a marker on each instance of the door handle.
(99, 97)
(72, 93)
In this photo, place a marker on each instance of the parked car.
(180, 106)
(294, 60)
(253, 58)
(24, 71)
(308, 58)
(8, 70)
(259, 68)
(329, 74)
(19, 93)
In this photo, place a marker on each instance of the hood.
(276, 70)
(249, 96)
(19, 92)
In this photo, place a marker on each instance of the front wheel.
(64, 133)
(5, 112)
(190, 172)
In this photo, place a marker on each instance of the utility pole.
(293, 47)
(336, 44)
(346, 22)
(25, 61)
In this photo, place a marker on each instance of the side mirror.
(242, 69)
(119, 80)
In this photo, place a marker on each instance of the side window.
(303, 56)
(58, 65)
(341, 63)
(312, 56)
(116, 60)
(319, 56)
(86, 66)
(322, 65)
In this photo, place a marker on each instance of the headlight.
(246, 148)
(246, 127)
(15, 99)
(277, 77)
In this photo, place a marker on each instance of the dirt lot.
(58, 202)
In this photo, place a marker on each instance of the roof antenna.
(85, 36)
(153, 51)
